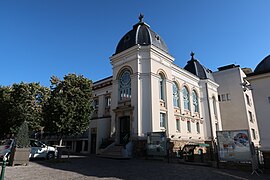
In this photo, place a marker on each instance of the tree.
(5, 107)
(68, 109)
(19, 103)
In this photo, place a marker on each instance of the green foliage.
(65, 108)
(19, 103)
(5, 107)
(22, 137)
(68, 109)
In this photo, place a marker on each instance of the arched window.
(161, 87)
(215, 106)
(186, 98)
(175, 95)
(195, 101)
(125, 85)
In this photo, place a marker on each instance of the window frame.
(198, 128)
(214, 102)
(162, 120)
(161, 86)
(188, 126)
(253, 131)
(178, 125)
(186, 98)
(195, 98)
(248, 100)
(176, 96)
(124, 88)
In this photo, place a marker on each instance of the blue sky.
(41, 38)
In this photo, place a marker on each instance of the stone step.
(114, 152)
(112, 156)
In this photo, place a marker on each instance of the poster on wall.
(156, 143)
(234, 145)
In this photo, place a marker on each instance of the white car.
(41, 150)
(5, 147)
(38, 149)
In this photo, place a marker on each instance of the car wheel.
(50, 155)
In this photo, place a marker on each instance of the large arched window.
(195, 101)
(161, 87)
(125, 85)
(175, 95)
(186, 98)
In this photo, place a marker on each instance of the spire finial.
(141, 17)
(192, 55)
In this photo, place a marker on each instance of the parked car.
(41, 150)
(5, 147)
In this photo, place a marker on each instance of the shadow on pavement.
(92, 166)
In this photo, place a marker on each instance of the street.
(92, 167)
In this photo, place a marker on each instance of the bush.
(22, 137)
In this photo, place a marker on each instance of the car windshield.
(36, 144)
(5, 142)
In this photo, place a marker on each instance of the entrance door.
(78, 146)
(93, 143)
(124, 129)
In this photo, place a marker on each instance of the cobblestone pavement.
(91, 167)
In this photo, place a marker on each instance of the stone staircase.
(112, 151)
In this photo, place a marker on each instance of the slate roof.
(141, 34)
(195, 67)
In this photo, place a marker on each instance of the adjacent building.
(236, 101)
(260, 84)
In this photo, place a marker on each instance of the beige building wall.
(100, 121)
(236, 102)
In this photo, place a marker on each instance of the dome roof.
(263, 66)
(141, 34)
(194, 66)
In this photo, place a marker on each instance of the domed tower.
(139, 55)
(195, 67)
(142, 35)
(263, 67)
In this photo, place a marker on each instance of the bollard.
(3, 168)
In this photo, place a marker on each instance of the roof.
(141, 34)
(195, 67)
(263, 66)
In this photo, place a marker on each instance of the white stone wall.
(260, 89)
(146, 62)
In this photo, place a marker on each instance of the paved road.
(85, 167)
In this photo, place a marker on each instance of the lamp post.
(3, 168)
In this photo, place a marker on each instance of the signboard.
(156, 144)
(234, 145)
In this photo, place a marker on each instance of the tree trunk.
(60, 141)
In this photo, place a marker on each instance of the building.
(147, 92)
(260, 84)
(236, 101)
